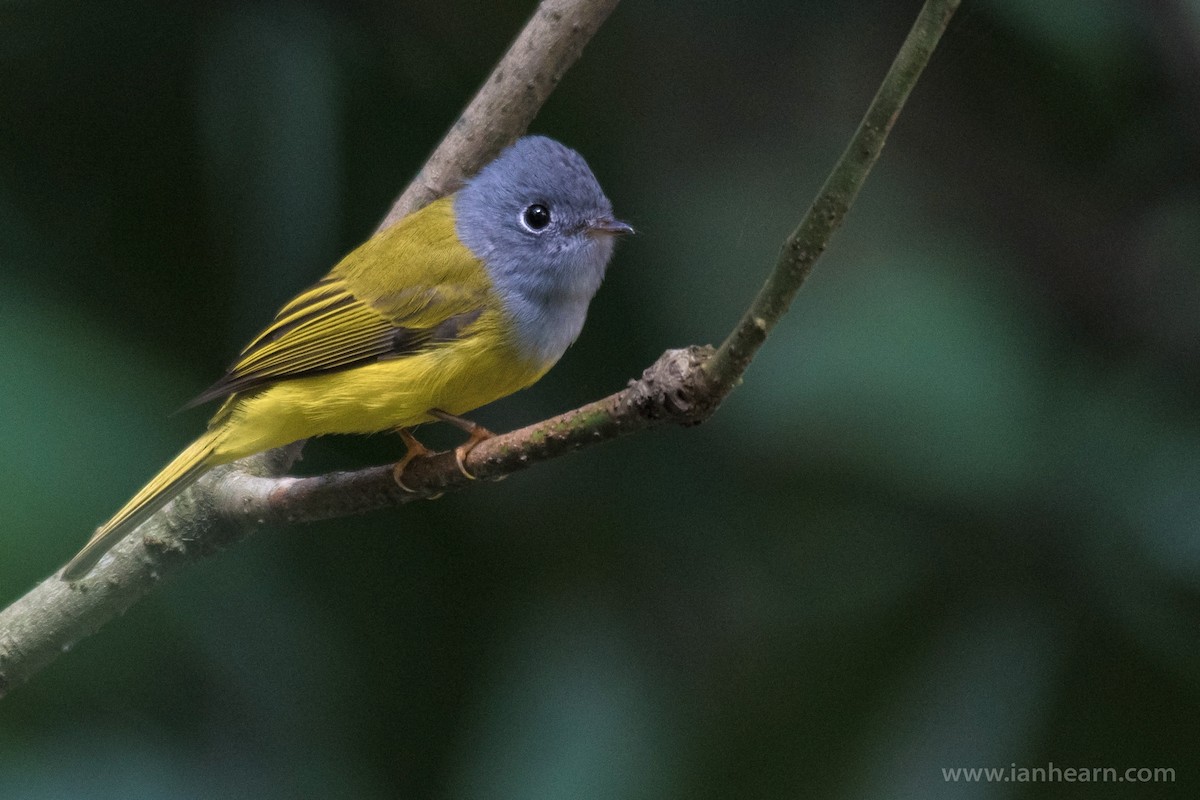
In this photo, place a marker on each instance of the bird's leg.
(415, 450)
(477, 434)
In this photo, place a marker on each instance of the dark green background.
(950, 519)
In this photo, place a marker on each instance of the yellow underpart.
(455, 377)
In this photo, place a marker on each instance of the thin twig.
(825, 215)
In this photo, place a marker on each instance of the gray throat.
(545, 325)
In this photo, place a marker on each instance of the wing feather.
(428, 291)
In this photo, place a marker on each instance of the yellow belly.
(456, 377)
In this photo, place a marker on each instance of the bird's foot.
(415, 450)
(476, 433)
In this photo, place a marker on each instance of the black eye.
(536, 217)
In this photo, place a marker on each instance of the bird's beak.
(608, 226)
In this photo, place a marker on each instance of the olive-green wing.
(422, 293)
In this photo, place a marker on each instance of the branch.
(551, 42)
(682, 387)
(673, 390)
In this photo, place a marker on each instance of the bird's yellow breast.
(455, 377)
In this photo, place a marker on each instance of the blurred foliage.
(949, 520)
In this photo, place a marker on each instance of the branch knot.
(676, 387)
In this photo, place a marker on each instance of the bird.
(467, 300)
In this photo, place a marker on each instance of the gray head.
(540, 223)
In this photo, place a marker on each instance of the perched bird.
(469, 299)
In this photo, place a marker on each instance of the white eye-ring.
(535, 218)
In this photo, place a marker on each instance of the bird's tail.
(181, 473)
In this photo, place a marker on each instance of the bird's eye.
(536, 217)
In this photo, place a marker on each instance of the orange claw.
(476, 432)
(415, 450)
